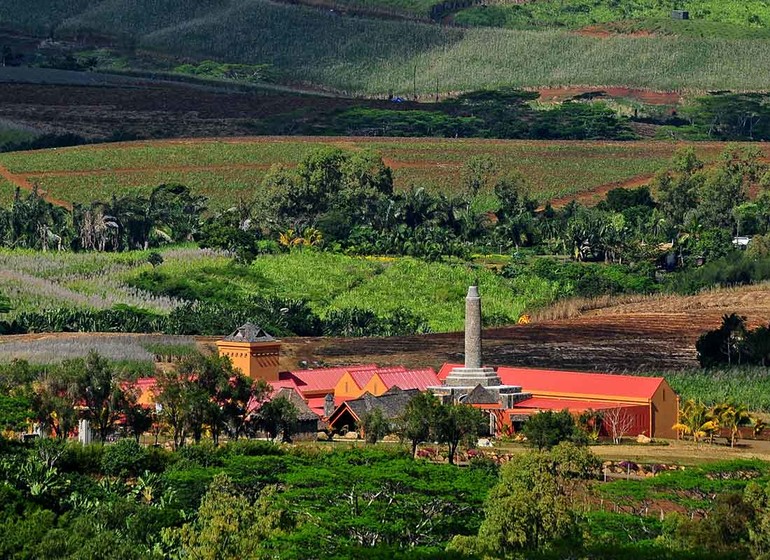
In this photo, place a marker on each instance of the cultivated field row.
(226, 169)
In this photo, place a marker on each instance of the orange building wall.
(347, 388)
(376, 386)
(665, 412)
(257, 360)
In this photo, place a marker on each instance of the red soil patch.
(23, 183)
(592, 196)
(645, 96)
(603, 32)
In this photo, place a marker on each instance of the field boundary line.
(23, 183)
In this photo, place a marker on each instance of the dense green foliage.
(499, 113)
(723, 384)
(545, 430)
(734, 343)
(392, 496)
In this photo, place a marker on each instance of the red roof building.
(649, 402)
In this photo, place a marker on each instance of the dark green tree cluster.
(428, 419)
(91, 389)
(500, 113)
(731, 116)
(170, 213)
(545, 430)
(206, 394)
(532, 509)
(733, 343)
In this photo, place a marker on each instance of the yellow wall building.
(253, 351)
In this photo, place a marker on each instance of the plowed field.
(653, 334)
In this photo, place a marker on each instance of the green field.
(748, 14)
(7, 191)
(323, 47)
(37, 281)
(226, 170)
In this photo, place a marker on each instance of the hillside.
(366, 55)
(227, 169)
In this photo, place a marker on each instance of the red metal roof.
(573, 405)
(284, 384)
(411, 379)
(445, 369)
(573, 383)
(322, 379)
(595, 386)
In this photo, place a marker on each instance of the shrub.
(251, 448)
(84, 459)
(203, 454)
(124, 459)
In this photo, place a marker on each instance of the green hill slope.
(749, 14)
(371, 56)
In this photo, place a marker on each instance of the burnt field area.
(149, 109)
(631, 334)
(623, 343)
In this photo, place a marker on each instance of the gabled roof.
(393, 404)
(249, 333)
(362, 376)
(303, 410)
(321, 379)
(573, 384)
(480, 395)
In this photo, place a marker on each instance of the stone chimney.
(329, 405)
(473, 329)
(472, 373)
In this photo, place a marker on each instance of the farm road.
(24, 184)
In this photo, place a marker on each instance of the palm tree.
(732, 417)
(695, 420)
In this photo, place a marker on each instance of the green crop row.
(747, 385)
(226, 171)
(327, 281)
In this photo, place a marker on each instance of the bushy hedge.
(281, 317)
(736, 269)
(124, 458)
(588, 279)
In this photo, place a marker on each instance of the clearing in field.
(228, 169)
